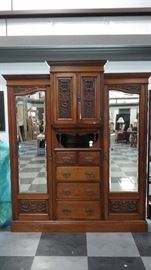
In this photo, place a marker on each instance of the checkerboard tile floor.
(123, 167)
(75, 251)
(32, 168)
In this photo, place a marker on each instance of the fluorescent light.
(78, 4)
(5, 5)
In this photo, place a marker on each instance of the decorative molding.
(128, 88)
(123, 206)
(33, 206)
(26, 90)
(22, 54)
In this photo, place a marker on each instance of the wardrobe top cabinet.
(77, 92)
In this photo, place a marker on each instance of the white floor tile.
(18, 244)
(111, 245)
(60, 263)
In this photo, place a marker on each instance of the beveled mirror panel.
(30, 119)
(124, 137)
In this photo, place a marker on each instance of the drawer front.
(77, 173)
(83, 191)
(65, 157)
(78, 210)
(89, 158)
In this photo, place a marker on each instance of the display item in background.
(5, 190)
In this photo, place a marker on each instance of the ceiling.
(114, 38)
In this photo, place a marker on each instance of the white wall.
(129, 66)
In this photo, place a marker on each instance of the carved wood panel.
(88, 97)
(64, 98)
(33, 206)
(123, 206)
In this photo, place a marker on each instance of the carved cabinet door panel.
(89, 98)
(64, 98)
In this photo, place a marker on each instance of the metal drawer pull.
(66, 211)
(66, 174)
(89, 211)
(89, 191)
(89, 159)
(66, 158)
(89, 174)
(66, 191)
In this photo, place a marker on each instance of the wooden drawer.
(78, 210)
(66, 157)
(89, 158)
(77, 173)
(83, 191)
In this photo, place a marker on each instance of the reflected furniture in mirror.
(124, 149)
(30, 125)
(69, 171)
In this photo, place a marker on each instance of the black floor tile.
(119, 263)
(62, 244)
(38, 161)
(16, 263)
(143, 243)
(6, 226)
(30, 170)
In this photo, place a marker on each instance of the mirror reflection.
(30, 119)
(123, 126)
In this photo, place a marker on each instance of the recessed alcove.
(77, 140)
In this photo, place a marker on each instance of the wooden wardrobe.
(76, 139)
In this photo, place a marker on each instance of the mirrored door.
(31, 143)
(124, 141)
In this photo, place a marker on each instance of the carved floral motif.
(64, 97)
(123, 206)
(33, 206)
(88, 87)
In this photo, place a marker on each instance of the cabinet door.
(89, 98)
(65, 98)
